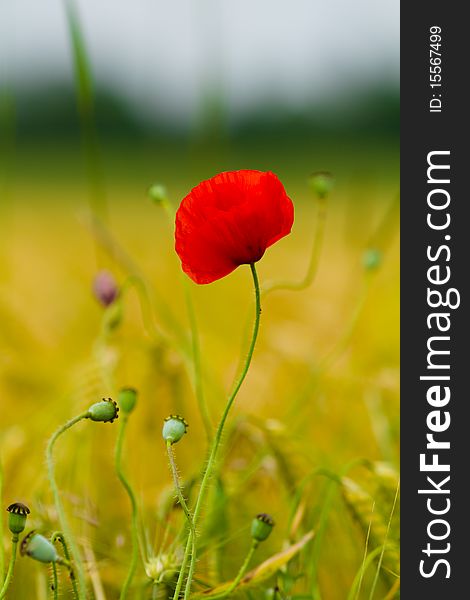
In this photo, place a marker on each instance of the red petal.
(230, 220)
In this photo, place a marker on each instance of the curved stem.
(314, 257)
(11, 566)
(241, 572)
(217, 439)
(134, 511)
(58, 536)
(67, 535)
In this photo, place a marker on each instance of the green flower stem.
(300, 402)
(189, 518)
(241, 572)
(58, 536)
(55, 582)
(67, 535)
(312, 269)
(134, 511)
(11, 566)
(217, 439)
(177, 484)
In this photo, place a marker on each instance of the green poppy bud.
(105, 411)
(261, 527)
(174, 428)
(17, 518)
(127, 399)
(372, 259)
(158, 193)
(38, 547)
(322, 182)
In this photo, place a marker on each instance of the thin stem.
(86, 110)
(177, 484)
(134, 511)
(196, 352)
(312, 268)
(300, 402)
(67, 535)
(11, 566)
(218, 436)
(55, 582)
(184, 506)
(241, 573)
(58, 536)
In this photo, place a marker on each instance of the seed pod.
(17, 518)
(105, 411)
(127, 399)
(38, 547)
(174, 428)
(261, 527)
(322, 182)
(158, 193)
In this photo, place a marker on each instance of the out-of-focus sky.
(162, 55)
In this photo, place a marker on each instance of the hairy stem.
(67, 535)
(58, 536)
(134, 511)
(55, 582)
(217, 439)
(184, 506)
(11, 566)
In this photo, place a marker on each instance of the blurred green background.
(175, 106)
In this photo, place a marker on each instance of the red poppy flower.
(230, 220)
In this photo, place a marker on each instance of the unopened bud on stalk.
(127, 399)
(321, 182)
(174, 428)
(158, 193)
(105, 288)
(38, 547)
(105, 411)
(17, 518)
(261, 527)
(372, 259)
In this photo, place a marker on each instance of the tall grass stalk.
(379, 563)
(86, 110)
(217, 440)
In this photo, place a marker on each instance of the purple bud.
(105, 288)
